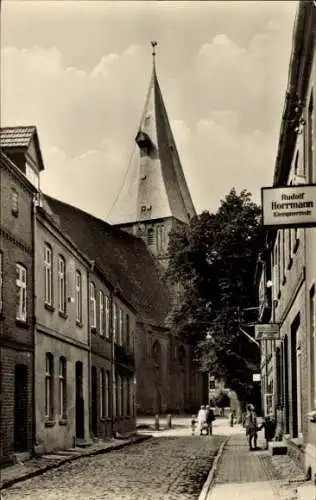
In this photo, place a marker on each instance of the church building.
(154, 201)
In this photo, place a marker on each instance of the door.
(20, 407)
(94, 401)
(79, 401)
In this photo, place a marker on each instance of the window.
(122, 396)
(296, 166)
(107, 316)
(62, 393)
(107, 393)
(15, 202)
(114, 321)
(49, 397)
(118, 395)
(160, 237)
(114, 396)
(128, 333)
(120, 327)
(150, 236)
(61, 284)
(310, 139)
(93, 312)
(283, 255)
(1, 282)
(48, 275)
(128, 396)
(101, 312)
(20, 293)
(289, 248)
(78, 297)
(312, 329)
(102, 393)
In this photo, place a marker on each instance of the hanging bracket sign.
(267, 331)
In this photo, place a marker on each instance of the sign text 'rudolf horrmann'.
(290, 206)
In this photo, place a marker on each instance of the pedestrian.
(201, 419)
(251, 427)
(232, 418)
(269, 426)
(193, 424)
(210, 417)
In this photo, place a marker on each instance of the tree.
(214, 259)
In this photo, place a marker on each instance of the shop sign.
(267, 331)
(290, 206)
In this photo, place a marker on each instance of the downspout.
(113, 361)
(36, 201)
(89, 346)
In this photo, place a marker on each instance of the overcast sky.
(80, 71)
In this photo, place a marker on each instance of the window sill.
(63, 421)
(63, 314)
(49, 307)
(79, 324)
(296, 245)
(50, 423)
(21, 323)
(290, 263)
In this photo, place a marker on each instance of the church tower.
(155, 197)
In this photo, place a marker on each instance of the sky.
(80, 71)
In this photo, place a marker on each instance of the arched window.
(150, 236)
(93, 306)
(102, 393)
(62, 393)
(21, 293)
(61, 284)
(78, 297)
(156, 351)
(49, 385)
(48, 275)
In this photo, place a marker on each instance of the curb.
(211, 476)
(56, 465)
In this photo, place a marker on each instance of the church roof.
(122, 258)
(155, 182)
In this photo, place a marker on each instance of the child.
(193, 423)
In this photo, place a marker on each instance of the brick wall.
(16, 245)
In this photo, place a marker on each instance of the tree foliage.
(214, 259)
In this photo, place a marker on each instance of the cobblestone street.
(164, 468)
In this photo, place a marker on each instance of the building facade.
(62, 347)
(287, 271)
(21, 163)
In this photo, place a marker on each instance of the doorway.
(94, 401)
(79, 401)
(295, 380)
(20, 408)
(286, 385)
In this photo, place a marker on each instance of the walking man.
(210, 417)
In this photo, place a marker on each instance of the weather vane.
(154, 44)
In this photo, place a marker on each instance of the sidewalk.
(36, 466)
(241, 474)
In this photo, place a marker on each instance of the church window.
(160, 237)
(150, 236)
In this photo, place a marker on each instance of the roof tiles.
(16, 136)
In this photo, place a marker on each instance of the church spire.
(155, 186)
